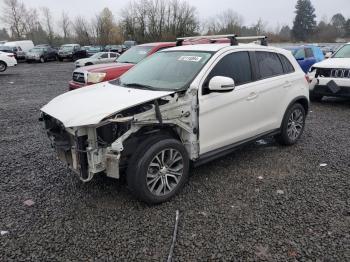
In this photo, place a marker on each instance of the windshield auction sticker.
(190, 58)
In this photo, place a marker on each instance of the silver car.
(98, 58)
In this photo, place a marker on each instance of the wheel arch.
(303, 100)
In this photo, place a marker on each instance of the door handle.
(287, 84)
(252, 96)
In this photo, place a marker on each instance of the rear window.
(269, 64)
(135, 54)
(308, 53)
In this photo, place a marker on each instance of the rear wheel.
(60, 59)
(3, 66)
(293, 125)
(158, 169)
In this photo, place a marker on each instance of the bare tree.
(83, 31)
(13, 15)
(106, 28)
(65, 25)
(48, 24)
(228, 22)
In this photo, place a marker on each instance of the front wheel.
(3, 66)
(293, 125)
(315, 98)
(158, 170)
(42, 59)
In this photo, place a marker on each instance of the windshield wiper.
(137, 85)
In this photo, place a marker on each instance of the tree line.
(158, 20)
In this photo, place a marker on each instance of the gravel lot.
(264, 202)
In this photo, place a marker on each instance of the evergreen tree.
(304, 22)
(347, 28)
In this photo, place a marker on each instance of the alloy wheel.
(295, 124)
(165, 172)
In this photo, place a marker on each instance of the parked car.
(104, 72)
(128, 44)
(98, 58)
(7, 60)
(94, 50)
(24, 45)
(331, 77)
(72, 52)
(115, 48)
(157, 118)
(16, 51)
(307, 55)
(41, 53)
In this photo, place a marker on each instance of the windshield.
(298, 53)
(94, 49)
(166, 71)
(97, 55)
(67, 47)
(36, 50)
(343, 52)
(134, 54)
(5, 48)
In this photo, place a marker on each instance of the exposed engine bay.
(107, 146)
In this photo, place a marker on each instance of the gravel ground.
(264, 202)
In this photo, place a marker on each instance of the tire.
(74, 58)
(315, 98)
(293, 125)
(42, 59)
(147, 173)
(3, 66)
(60, 59)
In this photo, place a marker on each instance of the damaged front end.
(107, 146)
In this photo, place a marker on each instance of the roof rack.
(232, 37)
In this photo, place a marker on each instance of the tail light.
(307, 78)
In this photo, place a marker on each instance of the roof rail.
(233, 38)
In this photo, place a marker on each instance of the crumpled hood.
(90, 105)
(342, 63)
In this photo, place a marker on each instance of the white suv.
(6, 60)
(331, 77)
(187, 104)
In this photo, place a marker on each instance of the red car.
(93, 74)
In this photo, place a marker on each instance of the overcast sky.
(275, 12)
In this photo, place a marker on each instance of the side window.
(113, 55)
(104, 55)
(269, 64)
(235, 65)
(308, 53)
(288, 67)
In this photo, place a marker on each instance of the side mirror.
(221, 83)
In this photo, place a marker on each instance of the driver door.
(226, 118)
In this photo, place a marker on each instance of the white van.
(25, 45)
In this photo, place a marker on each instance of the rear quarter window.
(287, 65)
(269, 64)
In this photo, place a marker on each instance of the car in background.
(115, 48)
(16, 51)
(98, 58)
(307, 55)
(94, 50)
(331, 77)
(7, 60)
(72, 52)
(42, 54)
(128, 44)
(23, 45)
(2, 42)
(104, 72)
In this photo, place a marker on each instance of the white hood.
(342, 63)
(89, 105)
